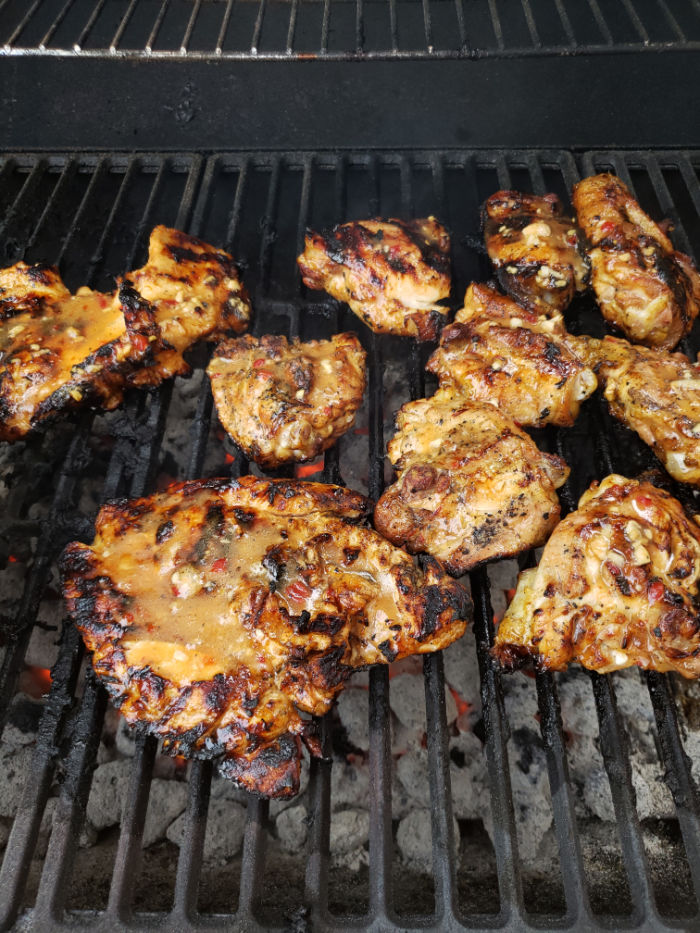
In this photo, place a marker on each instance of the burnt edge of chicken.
(222, 614)
(392, 273)
(616, 586)
(60, 351)
(535, 249)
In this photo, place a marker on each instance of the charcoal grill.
(253, 109)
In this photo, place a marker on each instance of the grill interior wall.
(93, 214)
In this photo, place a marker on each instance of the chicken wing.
(282, 401)
(391, 273)
(534, 249)
(59, 351)
(471, 486)
(518, 360)
(656, 394)
(617, 586)
(220, 611)
(643, 286)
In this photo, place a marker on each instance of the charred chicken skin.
(471, 486)
(617, 586)
(534, 249)
(282, 401)
(518, 360)
(60, 351)
(657, 395)
(643, 286)
(218, 611)
(392, 273)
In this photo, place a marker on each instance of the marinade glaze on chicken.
(61, 351)
(221, 611)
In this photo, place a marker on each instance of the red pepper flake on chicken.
(643, 286)
(60, 351)
(220, 611)
(391, 273)
(617, 586)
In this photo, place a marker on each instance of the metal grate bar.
(531, 25)
(428, 25)
(678, 775)
(257, 31)
(292, 26)
(614, 749)
(70, 811)
(89, 25)
(671, 20)
(393, 26)
(153, 35)
(359, 26)
(48, 36)
(440, 788)
(680, 237)
(117, 38)
(224, 27)
(21, 26)
(67, 174)
(496, 23)
(189, 863)
(463, 39)
(636, 21)
(565, 22)
(128, 859)
(26, 193)
(325, 26)
(601, 23)
(184, 45)
(97, 176)
(496, 728)
(25, 829)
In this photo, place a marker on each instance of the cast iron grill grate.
(344, 28)
(258, 206)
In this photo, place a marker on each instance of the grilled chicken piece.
(471, 485)
(281, 401)
(643, 286)
(59, 351)
(617, 586)
(391, 273)
(518, 360)
(657, 395)
(219, 611)
(534, 249)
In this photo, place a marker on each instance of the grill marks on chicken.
(518, 360)
(644, 287)
(617, 586)
(471, 486)
(60, 351)
(392, 273)
(219, 611)
(282, 401)
(534, 249)
(657, 395)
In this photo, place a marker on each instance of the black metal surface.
(258, 205)
(186, 74)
